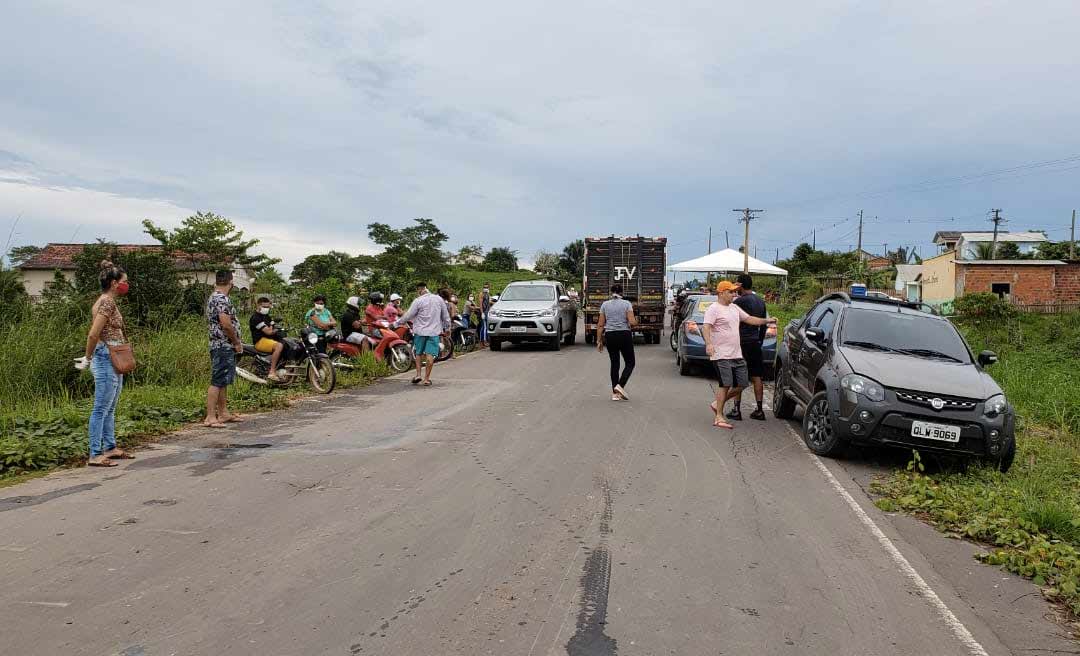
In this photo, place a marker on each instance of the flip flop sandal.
(723, 425)
(416, 381)
(102, 463)
(123, 455)
(426, 383)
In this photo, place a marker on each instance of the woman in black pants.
(616, 327)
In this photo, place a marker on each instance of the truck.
(639, 264)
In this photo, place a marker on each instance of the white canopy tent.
(727, 260)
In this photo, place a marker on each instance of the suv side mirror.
(987, 358)
(564, 299)
(815, 334)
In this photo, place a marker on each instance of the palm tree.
(984, 250)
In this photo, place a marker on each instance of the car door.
(565, 308)
(812, 355)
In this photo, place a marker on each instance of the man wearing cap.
(722, 344)
(750, 338)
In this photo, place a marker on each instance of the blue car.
(690, 345)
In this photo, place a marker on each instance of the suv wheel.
(1005, 460)
(818, 431)
(674, 340)
(685, 368)
(783, 407)
(556, 342)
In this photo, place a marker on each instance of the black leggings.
(620, 343)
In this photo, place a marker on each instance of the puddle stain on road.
(11, 503)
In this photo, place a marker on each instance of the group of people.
(734, 329)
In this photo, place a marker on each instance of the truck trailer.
(639, 264)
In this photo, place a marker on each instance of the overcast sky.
(533, 124)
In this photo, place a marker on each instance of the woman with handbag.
(109, 357)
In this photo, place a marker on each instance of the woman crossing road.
(616, 328)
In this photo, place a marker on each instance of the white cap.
(395, 297)
(354, 301)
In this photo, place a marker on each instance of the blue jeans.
(107, 385)
(483, 326)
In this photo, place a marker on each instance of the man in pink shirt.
(722, 344)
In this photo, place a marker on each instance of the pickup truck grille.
(513, 314)
(926, 400)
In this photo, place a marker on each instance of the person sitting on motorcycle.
(392, 310)
(352, 323)
(319, 317)
(378, 327)
(265, 335)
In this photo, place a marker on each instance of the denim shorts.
(222, 367)
(425, 344)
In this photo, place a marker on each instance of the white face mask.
(470, 299)
(319, 307)
(264, 310)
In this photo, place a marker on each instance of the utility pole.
(996, 221)
(748, 216)
(858, 249)
(1072, 238)
(814, 245)
(777, 258)
(710, 240)
(727, 242)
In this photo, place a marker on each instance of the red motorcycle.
(398, 353)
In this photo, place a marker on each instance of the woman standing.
(107, 329)
(615, 326)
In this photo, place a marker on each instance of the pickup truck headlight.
(550, 312)
(995, 405)
(493, 313)
(869, 388)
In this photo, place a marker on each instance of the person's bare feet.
(233, 419)
(212, 423)
(719, 422)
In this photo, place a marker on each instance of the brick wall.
(1028, 283)
(1067, 282)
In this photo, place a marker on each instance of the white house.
(966, 243)
(907, 282)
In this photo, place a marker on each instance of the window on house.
(1002, 289)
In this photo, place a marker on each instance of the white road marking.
(50, 604)
(951, 621)
(13, 548)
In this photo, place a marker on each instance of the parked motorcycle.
(446, 344)
(463, 337)
(301, 360)
(398, 354)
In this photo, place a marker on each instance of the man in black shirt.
(264, 335)
(750, 338)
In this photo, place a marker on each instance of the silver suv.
(533, 311)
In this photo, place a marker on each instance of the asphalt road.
(513, 508)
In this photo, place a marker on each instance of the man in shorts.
(722, 344)
(225, 343)
(430, 320)
(750, 338)
(265, 335)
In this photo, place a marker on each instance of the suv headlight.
(493, 313)
(550, 312)
(995, 405)
(871, 389)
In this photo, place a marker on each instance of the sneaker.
(621, 392)
(616, 397)
(735, 413)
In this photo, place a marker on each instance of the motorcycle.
(398, 354)
(301, 360)
(446, 344)
(463, 336)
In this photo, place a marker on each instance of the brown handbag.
(123, 358)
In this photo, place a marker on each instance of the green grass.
(1031, 515)
(474, 280)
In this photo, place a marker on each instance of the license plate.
(518, 329)
(929, 431)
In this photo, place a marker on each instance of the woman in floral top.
(107, 328)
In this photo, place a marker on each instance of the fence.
(1049, 307)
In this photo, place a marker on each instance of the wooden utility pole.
(1072, 238)
(814, 239)
(727, 242)
(858, 249)
(996, 221)
(710, 240)
(747, 217)
(777, 258)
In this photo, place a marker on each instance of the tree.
(59, 290)
(1056, 250)
(316, 268)
(572, 258)
(548, 265)
(984, 250)
(210, 242)
(13, 297)
(1008, 250)
(469, 254)
(500, 259)
(409, 254)
(155, 296)
(20, 254)
(269, 282)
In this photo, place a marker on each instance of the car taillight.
(771, 331)
(691, 327)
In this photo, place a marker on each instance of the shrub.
(982, 307)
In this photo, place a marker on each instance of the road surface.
(512, 508)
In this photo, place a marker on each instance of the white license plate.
(518, 329)
(943, 432)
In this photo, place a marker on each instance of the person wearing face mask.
(485, 305)
(393, 309)
(265, 335)
(107, 329)
(319, 317)
(224, 329)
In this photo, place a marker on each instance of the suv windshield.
(528, 293)
(906, 333)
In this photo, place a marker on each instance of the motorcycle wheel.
(321, 374)
(400, 358)
(446, 349)
(251, 370)
(339, 360)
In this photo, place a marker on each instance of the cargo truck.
(639, 264)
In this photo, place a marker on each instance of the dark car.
(884, 372)
(690, 344)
